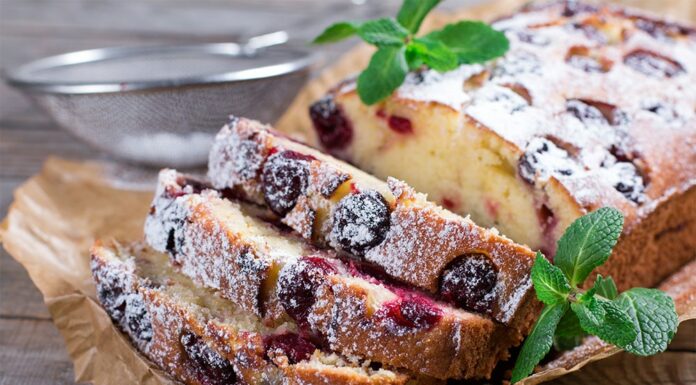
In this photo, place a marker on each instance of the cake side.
(199, 338)
(350, 305)
(414, 241)
(576, 116)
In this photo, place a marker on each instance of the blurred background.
(31, 351)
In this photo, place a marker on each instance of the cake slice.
(348, 304)
(387, 224)
(202, 339)
(592, 106)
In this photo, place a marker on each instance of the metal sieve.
(162, 105)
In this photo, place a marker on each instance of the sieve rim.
(20, 77)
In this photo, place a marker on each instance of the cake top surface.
(588, 95)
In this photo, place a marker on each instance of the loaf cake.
(349, 305)
(387, 224)
(201, 339)
(592, 106)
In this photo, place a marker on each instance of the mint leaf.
(384, 32)
(384, 74)
(337, 32)
(587, 243)
(569, 326)
(413, 12)
(653, 316)
(432, 53)
(569, 333)
(472, 41)
(539, 341)
(606, 287)
(413, 58)
(550, 284)
(590, 314)
(617, 327)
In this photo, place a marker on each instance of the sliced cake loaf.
(202, 339)
(592, 106)
(387, 224)
(351, 306)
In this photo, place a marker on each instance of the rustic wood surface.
(31, 350)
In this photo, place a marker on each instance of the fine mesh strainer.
(162, 105)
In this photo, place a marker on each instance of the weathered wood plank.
(19, 298)
(24, 150)
(32, 353)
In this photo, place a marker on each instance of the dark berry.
(527, 36)
(334, 129)
(360, 221)
(585, 63)
(585, 112)
(211, 367)
(409, 312)
(653, 64)
(628, 181)
(573, 7)
(175, 241)
(588, 111)
(469, 282)
(663, 111)
(285, 178)
(138, 319)
(110, 295)
(291, 345)
(543, 158)
(297, 286)
(400, 125)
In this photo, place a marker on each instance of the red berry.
(334, 129)
(211, 367)
(291, 345)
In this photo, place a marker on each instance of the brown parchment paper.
(58, 213)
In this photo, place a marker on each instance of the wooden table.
(31, 350)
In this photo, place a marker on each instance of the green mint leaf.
(413, 12)
(569, 326)
(384, 32)
(562, 343)
(432, 53)
(587, 243)
(569, 333)
(385, 73)
(653, 316)
(472, 41)
(590, 314)
(413, 58)
(550, 284)
(337, 32)
(539, 341)
(606, 287)
(617, 327)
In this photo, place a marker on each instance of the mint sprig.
(400, 50)
(640, 321)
